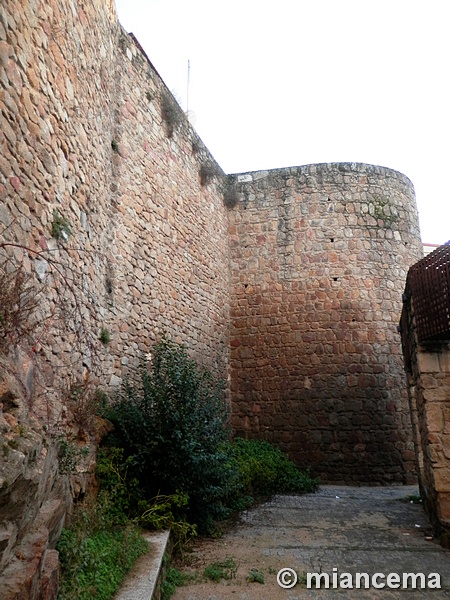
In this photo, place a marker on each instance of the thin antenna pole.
(188, 82)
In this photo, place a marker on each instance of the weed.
(115, 146)
(130, 502)
(69, 455)
(14, 444)
(159, 514)
(255, 575)
(302, 578)
(412, 499)
(381, 209)
(61, 228)
(175, 578)
(112, 472)
(105, 336)
(208, 170)
(221, 570)
(54, 307)
(230, 196)
(171, 113)
(85, 404)
(197, 146)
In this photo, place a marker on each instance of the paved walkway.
(363, 529)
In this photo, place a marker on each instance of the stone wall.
(318, 259)
(427, 364)
(113, 208)
(123, 226)
(85, 132)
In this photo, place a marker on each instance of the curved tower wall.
(318, 259)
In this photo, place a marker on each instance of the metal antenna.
(187, 91)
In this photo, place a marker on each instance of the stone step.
(143, 581)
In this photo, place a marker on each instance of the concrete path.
(142, 581)
(354, 530)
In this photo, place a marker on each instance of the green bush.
(170, 462)
(262, 469)
(171, 420)
(112, 471)
(131, 504)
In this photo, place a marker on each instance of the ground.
(364, 529)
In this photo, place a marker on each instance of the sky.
(295, 82)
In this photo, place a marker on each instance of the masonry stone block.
(444, 361)
(443, 504)
(434, 418)
(441, 476)
(440, 394)
(428, 362)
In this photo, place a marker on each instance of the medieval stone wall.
(125, 227)
(318, 260)
(114, 210)
(86, 133)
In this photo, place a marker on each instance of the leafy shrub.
(170, 463)
(264, 469)
(171, 420)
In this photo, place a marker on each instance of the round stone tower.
(319, 256)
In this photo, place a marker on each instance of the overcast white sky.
(295, 82)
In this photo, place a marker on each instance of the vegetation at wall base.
(171, 420)
(96, 552)
(264, 469)
(175, 578)
(170, 461)
(168, 464)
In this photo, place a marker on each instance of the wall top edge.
(314, 168)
